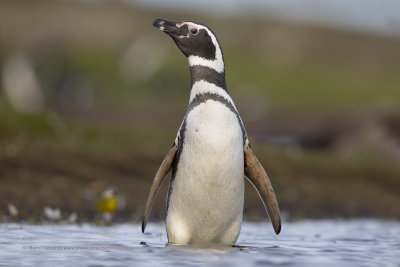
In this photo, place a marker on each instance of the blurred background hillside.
(91, 96)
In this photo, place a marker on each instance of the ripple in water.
(305, 243)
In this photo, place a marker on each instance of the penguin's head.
(196, 41)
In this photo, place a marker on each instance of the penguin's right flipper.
(161, 174)
(256, 174)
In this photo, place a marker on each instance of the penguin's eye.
(193, 31)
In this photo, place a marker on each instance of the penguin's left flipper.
(161, 174)
(256, 174)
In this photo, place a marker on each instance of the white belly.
(206, 203)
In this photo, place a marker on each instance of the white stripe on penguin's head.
(196, 41)
(218, 62)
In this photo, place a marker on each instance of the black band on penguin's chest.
(202, 98)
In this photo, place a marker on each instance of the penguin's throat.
(207, 74)
(216, 64)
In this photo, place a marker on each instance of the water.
(305, 243)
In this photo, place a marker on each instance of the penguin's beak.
(169, 27)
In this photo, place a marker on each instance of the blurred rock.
(52, 214)
(107, 217)
(73, 217)
(13, 210)
(21, 85)
(143, 58)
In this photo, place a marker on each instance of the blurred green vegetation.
(307, 83)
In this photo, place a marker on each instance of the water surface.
(305, 243)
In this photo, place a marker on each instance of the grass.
(314, 85)
(53, 167)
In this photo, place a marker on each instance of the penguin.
(211, 154)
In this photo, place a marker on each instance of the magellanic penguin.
(211, 154)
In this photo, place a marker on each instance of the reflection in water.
(305, 243)
(207, 248)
